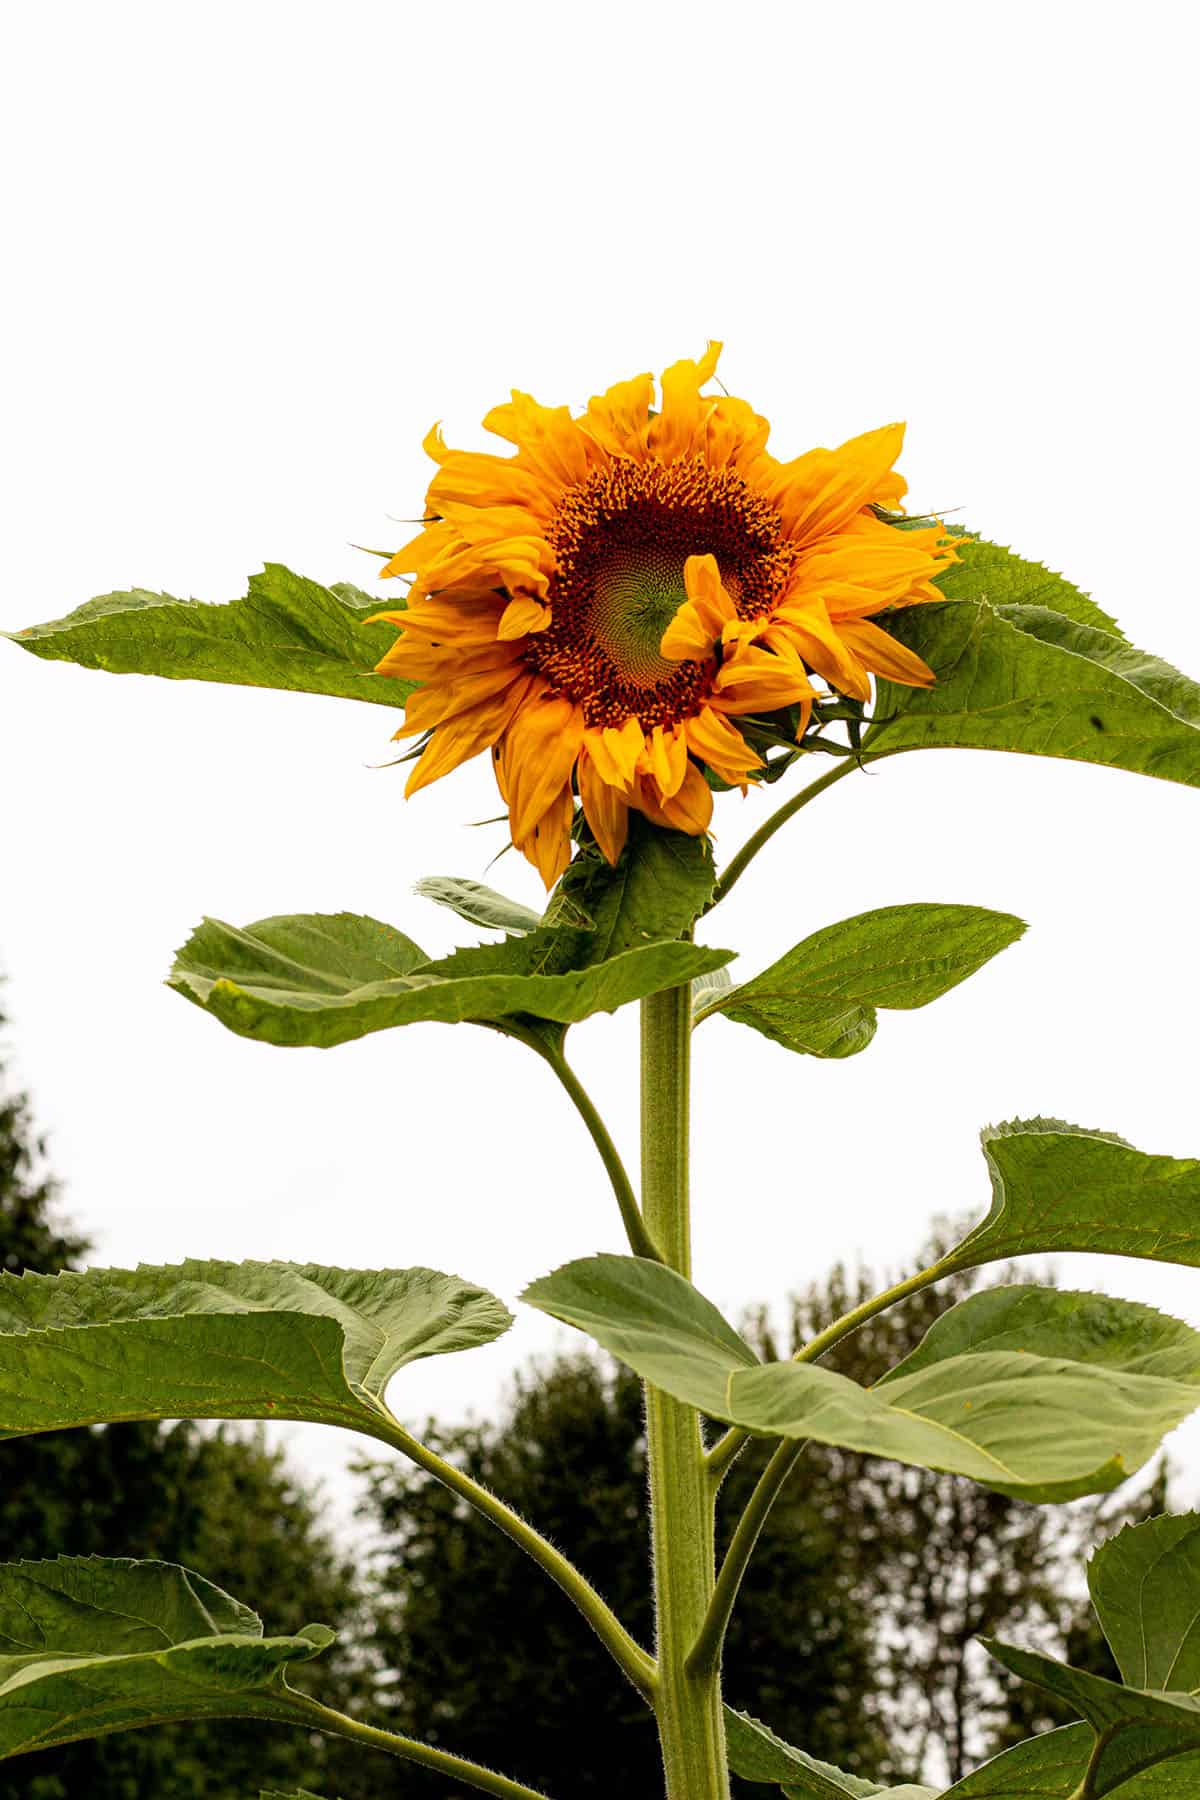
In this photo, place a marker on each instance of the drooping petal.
(811, 634)
(540, 750)
(604, 806)
(624, 746)
(465, 735)
(666, 758)
(688, 810)
(713, 740)
(548, 845)
(884, 655)
(757, 680)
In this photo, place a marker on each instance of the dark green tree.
(854, 1631)
(221, 1502)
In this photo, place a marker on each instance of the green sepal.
(821, 998)
(325, 979)
(213, 1340)
(288, 632)
(662, 882)
(92, 1645)
(1032, 1392)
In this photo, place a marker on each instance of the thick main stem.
(687, 1703)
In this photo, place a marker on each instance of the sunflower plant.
(635, 611)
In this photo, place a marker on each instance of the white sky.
(254, 250)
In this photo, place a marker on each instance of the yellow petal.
(820, 491)
(624, 746)
(700, 620)
(539, 754)
(666, 759)
(713, 740)
(521, 616)
(679, 427)
(884, 655)
(548, 845)
(604, 807)
(689, 810)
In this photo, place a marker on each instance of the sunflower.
(600, 608)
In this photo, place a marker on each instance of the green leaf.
(821, 997)
(215, 1340)
(1145, 1587)
(1059, 1187)
(756, 1754)
(662, 883)
(1020, 677)
(303, 1794)
(1049, 1767)
(479, 905)
(328, 978)
(652, 1319)
(993, 573)
(1137, 1729)
(1035, 1393)
(1052, 1766)
(90, 1645)
(288, 632)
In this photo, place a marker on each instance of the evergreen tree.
(222, 1503)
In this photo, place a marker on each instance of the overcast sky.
(254, 251)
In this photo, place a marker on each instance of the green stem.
(303, 1710)
(726, 1448)
(640, 1240)
(750, 849)
(706, 1652)
(687, 1703)
(625, 1650)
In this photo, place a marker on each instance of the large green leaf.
(756, 1754)
(213, 1340)
(1135, 1729)
(992, 572)
(821, 997)
(327, 978)
(1022, 677)
(1060, 1187)
(1036, 1393)
(1145, 1586)
(1051, 1767)
(661, 884)
(89, 1646)
(288, 632)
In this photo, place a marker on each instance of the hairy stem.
(688, 1704)
(766, 831)
(624, 1649)
(302, 1710)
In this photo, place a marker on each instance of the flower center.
(621, 540)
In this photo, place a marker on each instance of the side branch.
(705, 1654)
(640, 1240)
(301, 1709)
(626, 1652)
(779, 818)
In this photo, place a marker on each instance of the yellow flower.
(600, 608)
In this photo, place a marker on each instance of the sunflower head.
(605, 608)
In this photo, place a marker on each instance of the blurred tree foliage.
(221, 1502)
